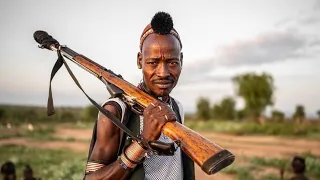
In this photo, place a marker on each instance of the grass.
(270, 177)
(40, 132)
(79, 125)
(47, 164)
(312, 164)
(241, 173)
(255, 167)
(287, 129)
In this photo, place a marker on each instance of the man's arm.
(108, 137)
(105, 150)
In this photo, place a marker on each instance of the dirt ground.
(240, 146)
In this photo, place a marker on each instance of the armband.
(93, 166)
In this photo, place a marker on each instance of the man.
(28, 173)
(298, 166)
(111, 154)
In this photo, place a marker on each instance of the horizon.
(288, 114)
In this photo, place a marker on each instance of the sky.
(220, 40)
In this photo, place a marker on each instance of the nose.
(163, 70)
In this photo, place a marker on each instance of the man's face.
(161, 61)
(28, 175)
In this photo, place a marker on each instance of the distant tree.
(228, 105)
(2, 116)
(318, 113)
(299, 114)
(225, 109)
(31, 115)
(216, 111)
(90, 113)
(241, 114)
(203, 108)
(2, 113)
(277, 116)
(68, 116)
(256, 90)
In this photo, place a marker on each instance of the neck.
(143, 87)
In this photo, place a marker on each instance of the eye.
(174, 63)
(152, 63)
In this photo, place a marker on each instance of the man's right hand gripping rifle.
(104, 162)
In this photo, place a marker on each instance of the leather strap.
(50, 106)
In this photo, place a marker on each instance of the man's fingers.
(170, 117)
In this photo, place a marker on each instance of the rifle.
(208, 155)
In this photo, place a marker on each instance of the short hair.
(8, 168)
(298, 164)
(27, 169)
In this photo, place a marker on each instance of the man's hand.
(154, 117)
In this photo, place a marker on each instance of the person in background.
(8, 171)
(28, 173)
(299, 167)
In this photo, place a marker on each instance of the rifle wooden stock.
(208, 155)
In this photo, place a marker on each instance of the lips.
(163, 84)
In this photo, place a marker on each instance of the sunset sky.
(220, 39)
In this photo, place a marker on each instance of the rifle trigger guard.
(157, 147)
(162, 149)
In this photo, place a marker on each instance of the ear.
(139, 60)
(181, 58)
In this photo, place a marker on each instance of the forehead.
(161, 44)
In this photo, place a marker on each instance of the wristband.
(123, 165)
(133, 162)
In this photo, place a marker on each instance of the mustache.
(163, 80)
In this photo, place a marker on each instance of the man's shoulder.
(178, 103)
(181, 110)
(119, 104)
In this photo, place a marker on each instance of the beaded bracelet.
(133, 162)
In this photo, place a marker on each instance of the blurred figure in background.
(298, 166)
(28, 173)
(8, 171)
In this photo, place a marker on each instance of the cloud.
(266, 48)
(315, 42)
(311, 20)
(317, 6)
(263, 49)
(306, 18)
(283, 22)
